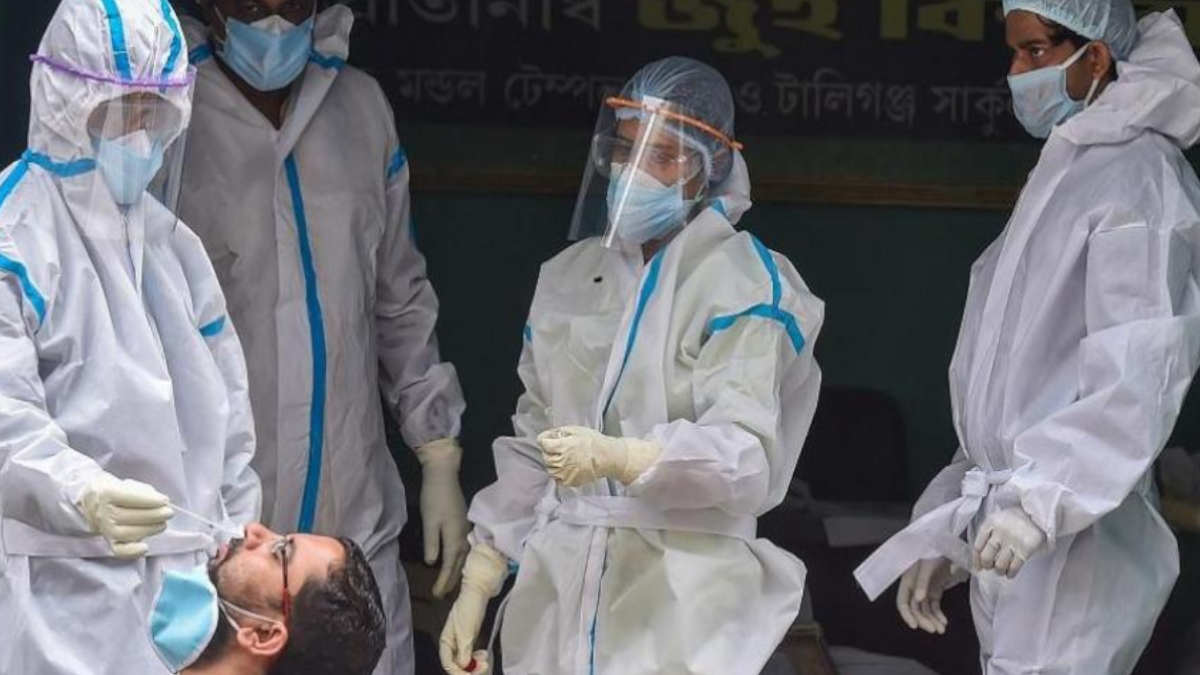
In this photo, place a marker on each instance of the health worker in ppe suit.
(122, 385)
(1079, 340)
(298, 186)
(669, 384)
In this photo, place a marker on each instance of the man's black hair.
(337, 625)
(1060, 34)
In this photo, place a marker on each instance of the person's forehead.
(137, 100)
(265, 4)
(314, 555)
(632, 129)
(133, 110)
(1023, 26)
(142, 97)
(322, 545)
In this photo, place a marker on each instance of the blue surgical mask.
(128, 164)
(185, 614)
(268, 54)
(644, 208)
(1040, 98)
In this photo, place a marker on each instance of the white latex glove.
(577, 456)
(483, 664)
(920, 597)
(1007, 539)
(124, 512)
(443, 511)
(482, 578)
(480, 664)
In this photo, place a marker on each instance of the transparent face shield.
(138, 145)
(646, 176)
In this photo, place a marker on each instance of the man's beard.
(214, 567)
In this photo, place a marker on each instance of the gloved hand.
(443, 511)
(124, 512)
(1007, 539)
(577, 456)
(921, 590)
(482, 578)
(480, 664)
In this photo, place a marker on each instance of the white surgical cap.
(701, 91)
(1112, 22)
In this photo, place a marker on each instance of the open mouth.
(224, 553)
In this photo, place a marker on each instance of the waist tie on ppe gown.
(635, 513)
(939, 532)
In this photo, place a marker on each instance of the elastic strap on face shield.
(146, 83)
(617, 103)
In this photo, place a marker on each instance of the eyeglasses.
(282, 549)
(675, 162)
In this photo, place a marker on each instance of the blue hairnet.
(1112, 22)
(701, 92)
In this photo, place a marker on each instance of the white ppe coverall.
(707, 351)
(1079, 340)
(116, 356)
(308, 229)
